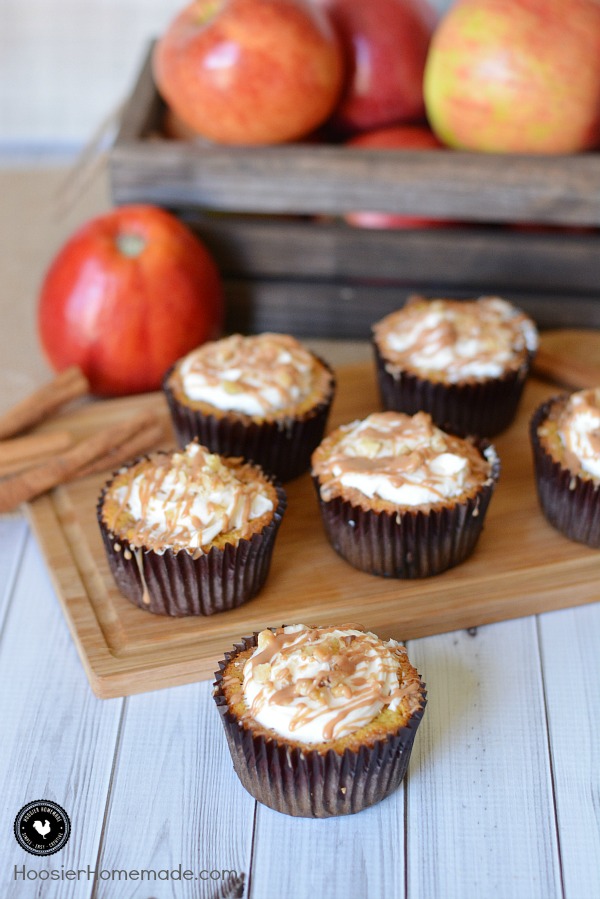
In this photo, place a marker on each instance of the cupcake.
(189, 533)
(401, 498)
(465, 362)
(265, 398)
(565, 436)
(320, 721)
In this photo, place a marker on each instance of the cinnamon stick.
(25, 486)
(33, 446)
(68, 385)
(129, 449)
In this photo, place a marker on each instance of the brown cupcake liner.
(407, 543)
(177, 584)
(468, 409)
(282, 448)
(305, 782)
(571, 504)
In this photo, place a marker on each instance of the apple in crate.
(396, 137)
(517, 76)
(250, 71)
(385, 44)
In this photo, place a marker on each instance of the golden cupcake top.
(186, 500)
(573, 431)
(456, 340)
(400, 460)
(260, 376)
(320, 684)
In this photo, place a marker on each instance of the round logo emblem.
(42, 827)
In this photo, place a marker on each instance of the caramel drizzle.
(497, 336)
(195, 469)
(342, 675)
(412, 443)
(258, 359)
(137, 554)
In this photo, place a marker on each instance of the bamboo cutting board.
(521, 566)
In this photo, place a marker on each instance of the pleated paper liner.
(408, 543)
(306, 782)
(468, 409)
(282, 448)
(570, 503)
(177, 584)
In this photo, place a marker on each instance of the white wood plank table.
(502, 797)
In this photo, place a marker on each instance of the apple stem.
(130, 244)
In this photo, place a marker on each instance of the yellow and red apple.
(517, 76)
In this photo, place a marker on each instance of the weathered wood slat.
(352, 857)
(13, 534)
(176, 800)
(143, 107)
(480, 805)
(339, 310)
(468, 258)
(58, 740)
(328, 179)
(571, 670)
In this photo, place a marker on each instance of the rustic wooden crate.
(271, 217)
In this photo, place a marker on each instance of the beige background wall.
(65, 64)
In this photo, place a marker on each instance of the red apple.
(516, 76)
(127, 295)
(399, 137)
(250, 71)
(385, 43)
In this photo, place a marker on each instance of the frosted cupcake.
(401, 498)
(465, 362)
(189, 533)
(265, 398)
(565, 436)
(320, 721)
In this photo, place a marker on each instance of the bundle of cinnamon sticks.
(36, 462)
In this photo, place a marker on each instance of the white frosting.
(467, 340)
(187, 506)
(406, 476)
(252, 375)
(329, 698)
(579, 429)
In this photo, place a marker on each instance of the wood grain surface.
(520, 566)
(570, 357)
(461, 750)
(62, 755)
(465, 257)
(347, 309)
